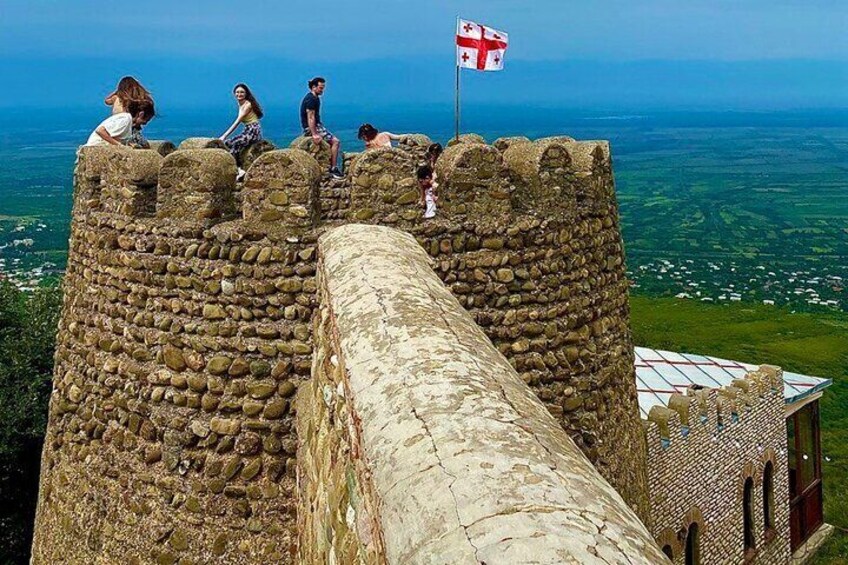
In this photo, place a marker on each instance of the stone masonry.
(419, 443)
(186, 328)
(701, 450)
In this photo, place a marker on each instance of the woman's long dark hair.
(248, 95)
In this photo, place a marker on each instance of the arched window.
(748, 514)
(768, 496)
(693, 552)
(668, 551)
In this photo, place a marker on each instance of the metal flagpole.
(456, 108)
(456, 113)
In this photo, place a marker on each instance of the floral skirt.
(249, 135)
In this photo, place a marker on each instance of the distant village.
(21, 261)
(742, 280)
(815, 286)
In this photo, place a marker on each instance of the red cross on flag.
(479, 47)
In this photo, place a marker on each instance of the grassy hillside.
(804, 343)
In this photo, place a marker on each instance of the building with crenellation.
(298, 369)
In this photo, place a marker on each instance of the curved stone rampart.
(162, 146)
(466, 138)
(419, 443)
(532, 248)
(282, 187)
(383, 183)
(179, 298)
(130, 181)
(202, 143)
(196, 184)
(504, 143)
(542, 174)
(321, 151)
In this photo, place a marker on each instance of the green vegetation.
(804, 343)
(27, 339)
(761, 211)
(724, 192)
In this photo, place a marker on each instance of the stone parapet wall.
(187, 328)
(418, 441)
(700, 452)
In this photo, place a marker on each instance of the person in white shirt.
(117, 129)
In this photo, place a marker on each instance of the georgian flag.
(479, 47)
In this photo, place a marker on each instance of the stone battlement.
(478, 182)
(703, 413)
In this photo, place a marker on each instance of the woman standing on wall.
(130, 92)
(249, 114)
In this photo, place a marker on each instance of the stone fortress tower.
(187, 330)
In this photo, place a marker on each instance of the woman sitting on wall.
(374, 138)
(249, 114)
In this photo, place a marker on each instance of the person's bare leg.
(334, 153)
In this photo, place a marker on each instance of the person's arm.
(244, 109)
(106, 136)
(110, 100)
(394, 136)
(313, 127)
(230, 129)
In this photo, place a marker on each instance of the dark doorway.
(693, 552)
(668, 552)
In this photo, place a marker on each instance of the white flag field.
(480, 47)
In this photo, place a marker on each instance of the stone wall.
(528, 240)
(186, 329)
(419, 443)
(181, 344)
(701, 450)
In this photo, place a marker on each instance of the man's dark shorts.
(322, 131)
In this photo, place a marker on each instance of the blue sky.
(698, 53)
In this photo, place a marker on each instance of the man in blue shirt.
(310, 121)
